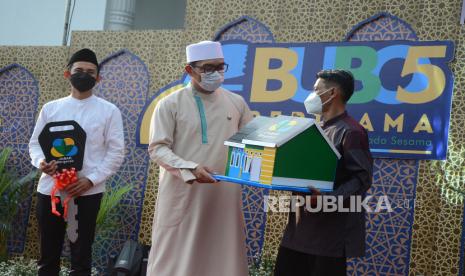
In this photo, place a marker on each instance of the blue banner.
(402, 95)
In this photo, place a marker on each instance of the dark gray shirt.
(337, 234)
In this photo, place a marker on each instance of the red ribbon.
(62, 179)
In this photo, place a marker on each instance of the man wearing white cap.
(198, 227)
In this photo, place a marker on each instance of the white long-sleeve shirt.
(104, 150)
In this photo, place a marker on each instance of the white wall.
(41, 22)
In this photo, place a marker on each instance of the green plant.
(105, 220)
(262, 266)
(28, 267)
(13, 191)
(19, 266)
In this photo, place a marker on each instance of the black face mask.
(82, 81)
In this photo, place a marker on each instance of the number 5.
(435, 75)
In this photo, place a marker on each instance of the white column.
(120, 15)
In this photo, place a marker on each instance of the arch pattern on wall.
(19, 99)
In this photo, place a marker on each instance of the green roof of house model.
(274, 132)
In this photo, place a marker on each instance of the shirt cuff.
(93, 178)
(187, 165)
(187, 175)
(36, 161)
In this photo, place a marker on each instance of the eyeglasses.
(210, 68)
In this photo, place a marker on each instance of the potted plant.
(105, 221)
(13, 191)
(108, 222)
(262, 265)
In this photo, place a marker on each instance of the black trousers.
(294, 263)
(52, 232)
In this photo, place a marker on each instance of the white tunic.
(104, 150)
(198, 229)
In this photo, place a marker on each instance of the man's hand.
(315, 196)
(203, 175)
(48, 168)
(81, 186)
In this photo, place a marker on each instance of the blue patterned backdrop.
(248, 29)
(125, 82)
(388, 234)
(19, 96)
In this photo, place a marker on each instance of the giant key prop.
(64, 142)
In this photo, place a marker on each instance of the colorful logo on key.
(64, 147)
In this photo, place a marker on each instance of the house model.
(283, 151)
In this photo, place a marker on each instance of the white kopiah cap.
(203, 50)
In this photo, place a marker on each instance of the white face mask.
(211, 82)
(313, 103)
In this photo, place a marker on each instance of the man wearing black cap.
(104, 153)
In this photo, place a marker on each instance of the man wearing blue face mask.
(318, 243)
(198, 227)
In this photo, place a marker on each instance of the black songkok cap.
(83, 55)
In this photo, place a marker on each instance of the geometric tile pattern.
(125, 83)
(250, 30)
(381, 27)
(300, 21)
(437, 226)
(437, 220)
(246, 29)
(388, 233)
(45, 66)
(19, 97)
(462, 246)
